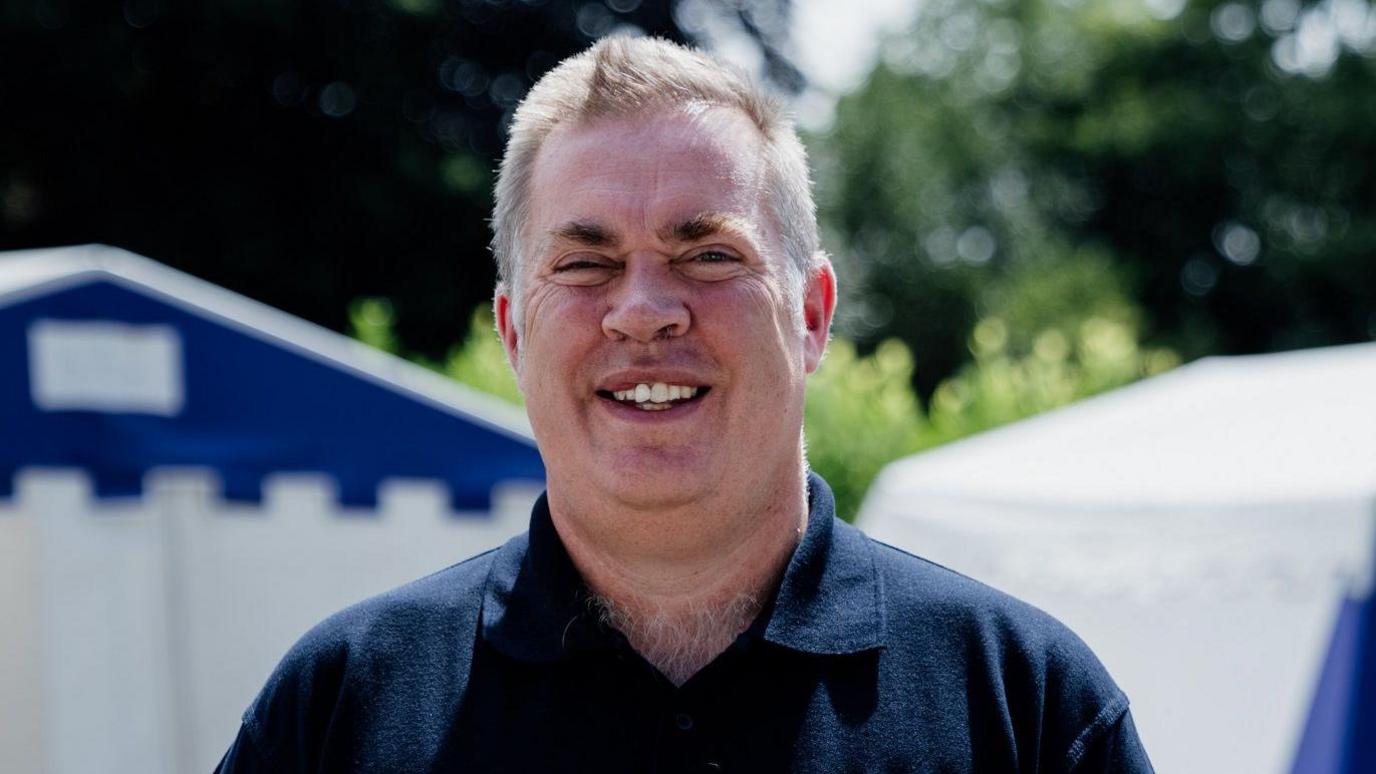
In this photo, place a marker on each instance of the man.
(685, 599)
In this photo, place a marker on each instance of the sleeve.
(243, 756)
(286, 727)
(1113, 749)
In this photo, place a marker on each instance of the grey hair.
(679, 643)
(624, 75)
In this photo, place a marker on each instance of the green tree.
(478, 361)
(302, 153)
(860, 415)
(1203, 166)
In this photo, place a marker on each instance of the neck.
(681, 595)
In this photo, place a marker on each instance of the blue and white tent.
(188, 481)
(115, 364)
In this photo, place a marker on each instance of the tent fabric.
(1201, 531)
(202, 377)
(1291, 427)
(1340, 733)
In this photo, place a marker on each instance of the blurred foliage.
(1000, 386)
(861, 411)
(478, 361)
(302, 153)
(861, 414)
(373, 322)
(1204, 171)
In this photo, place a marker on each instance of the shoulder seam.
(255, 745)
(470, 560)
(1107, 717)
(923, 559)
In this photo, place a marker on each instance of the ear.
(506, 329)
(819, 304)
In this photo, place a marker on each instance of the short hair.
(623, 76)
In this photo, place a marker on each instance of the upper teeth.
(658, 392)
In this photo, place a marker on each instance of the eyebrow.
(706, 224)
(584, 233)
(694, 229)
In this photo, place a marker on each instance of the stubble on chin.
(678, 641)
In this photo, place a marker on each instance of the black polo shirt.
(868, 659)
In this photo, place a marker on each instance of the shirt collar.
(535, 607)
(830, 600)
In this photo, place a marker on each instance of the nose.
(646, 304)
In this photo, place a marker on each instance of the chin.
(656, 487)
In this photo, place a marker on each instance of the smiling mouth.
(655, 396)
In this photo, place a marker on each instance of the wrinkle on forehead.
(698, 227)
(717, 151)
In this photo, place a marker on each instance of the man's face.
(653, 267)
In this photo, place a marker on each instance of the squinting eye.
(581, 265)
(583, 271)
(711, 265)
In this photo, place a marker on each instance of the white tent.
(1199, 530)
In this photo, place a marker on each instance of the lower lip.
(629, 412)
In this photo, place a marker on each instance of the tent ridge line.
(118, 266)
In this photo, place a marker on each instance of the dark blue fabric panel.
(1322, 746)
(1363, 753)
(252, 409)
(1362, 756)
(1340, 732)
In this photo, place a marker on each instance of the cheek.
(757, 310)
(559, 323)
(752, 320)
(750, 296)
(548, 311)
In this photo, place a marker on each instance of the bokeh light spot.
(594, 20)
(940, 245)
(1233, 22)
(463, 77)
(1165, 9)
(463, 173)
(337, 100)
(140, 13)
(507, 89)
(1278, 16)
(1198, 277)
(976, 245)
(1237, 243)
(286, 88)
(417, 7)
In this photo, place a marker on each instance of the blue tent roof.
(116, 364)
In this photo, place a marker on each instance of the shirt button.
(684, 721)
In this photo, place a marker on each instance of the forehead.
(645, 170)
